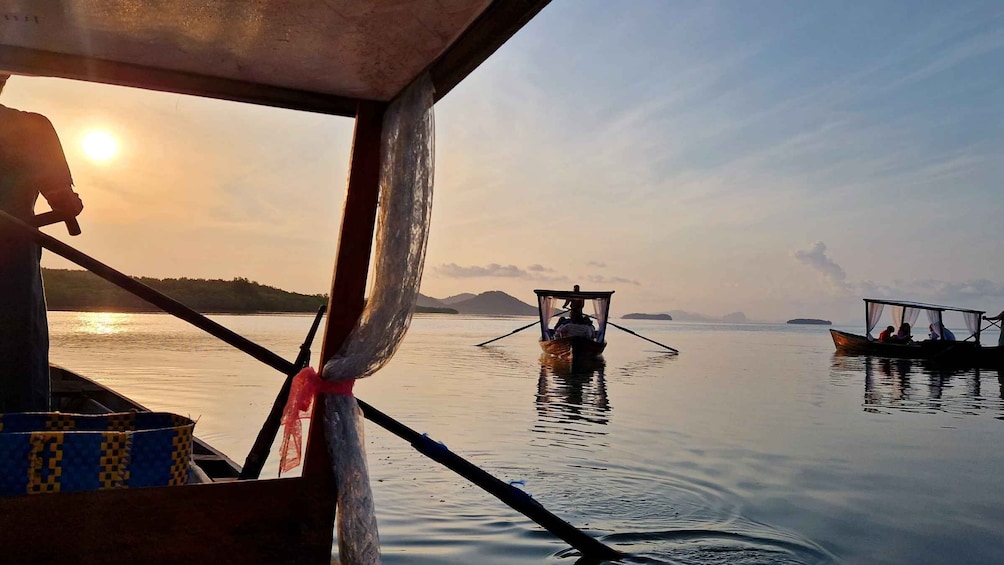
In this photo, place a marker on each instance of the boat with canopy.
(385, 65)
(926, 345)
(574, 337)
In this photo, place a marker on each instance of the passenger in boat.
(886, 334)
(946, 334)
(31, 163)
(903, 335)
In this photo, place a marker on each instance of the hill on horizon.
(83, 291)
(489, 303)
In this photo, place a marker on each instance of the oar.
(52, 217)
(517, 330)
(675, 351)
(263, 443)
(508, 334)
(513, 497)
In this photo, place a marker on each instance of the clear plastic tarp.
(406, 179)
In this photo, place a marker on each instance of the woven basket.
(48, 452)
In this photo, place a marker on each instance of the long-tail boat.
(965, 352)
(574, 337)
(384, 64)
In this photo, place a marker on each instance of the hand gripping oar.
(263, 443)
(513, 497)
(675, 351)
(517, 330)
(52, 217)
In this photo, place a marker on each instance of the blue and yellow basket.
(50, 452)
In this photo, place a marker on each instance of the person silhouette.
(32, 163)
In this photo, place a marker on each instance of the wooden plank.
(21, 60)
(281, 521)
(499, 22)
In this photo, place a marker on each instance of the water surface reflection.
(570, 394)
(913, 385)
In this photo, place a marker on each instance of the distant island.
(810, 321)
(82, 291)
(637, 316)
(490, 303)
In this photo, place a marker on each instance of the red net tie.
(307, 384)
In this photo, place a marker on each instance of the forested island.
(638, 316)
(82, 291)
(810, 321)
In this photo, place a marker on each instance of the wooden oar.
(52, 217)
(508, 334)
(263, 443)
(512, 496)
(675, 351)
(517, 330)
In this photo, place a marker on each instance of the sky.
(782, 159)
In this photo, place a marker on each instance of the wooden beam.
(20, 60)
(355, 243)
(499, 22)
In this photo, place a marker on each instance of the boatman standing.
(31, 163)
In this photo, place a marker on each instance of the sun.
(99, 145)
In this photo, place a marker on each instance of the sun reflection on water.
(103, 323)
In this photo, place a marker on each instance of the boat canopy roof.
(571, 294)
(315, 56)
(922, 306)
(906, 311)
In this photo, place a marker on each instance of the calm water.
(756, 445)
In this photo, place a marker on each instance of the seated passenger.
(934, 335)
(903, 335)
(946, 334)
(886, 334)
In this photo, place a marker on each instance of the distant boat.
(810, 322)
(961, 353)
(574, 337)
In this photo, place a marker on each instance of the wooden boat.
(76, 394)
(574, 337)
(967, 352)
(352, 58)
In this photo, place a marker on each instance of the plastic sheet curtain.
(906, 314)
(406, 179)
(600, 309)
(547, 310)
(934, 316)
(972, 320)
(872, 314)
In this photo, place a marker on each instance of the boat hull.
(948, 353)
(574, 348)
(220, 521)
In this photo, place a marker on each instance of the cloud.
(596, 264)
(600, 279)
(971, 293)
(817, 260)
(533, 272)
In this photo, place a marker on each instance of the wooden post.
(355, 243)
